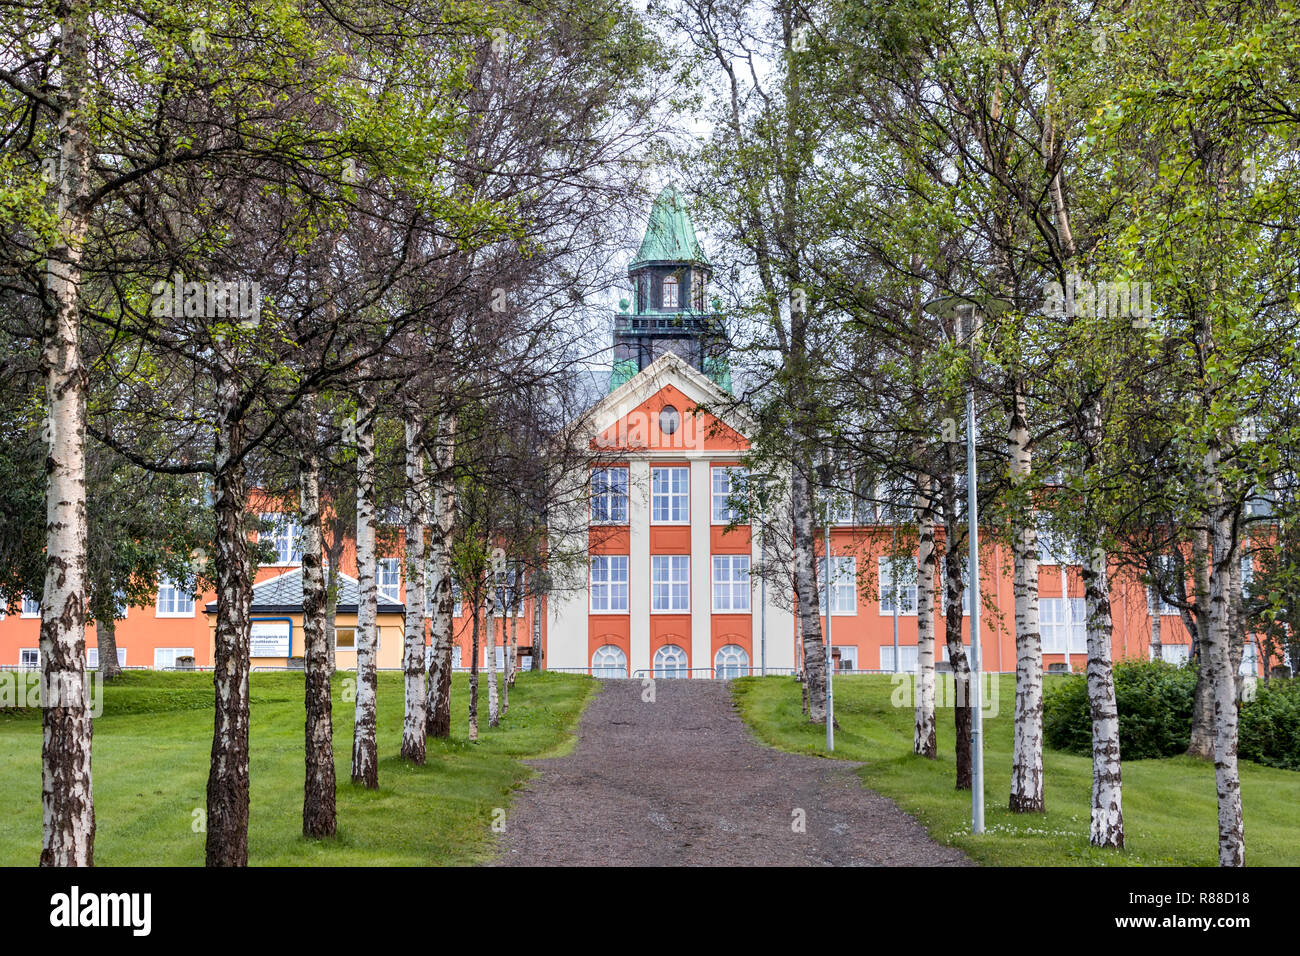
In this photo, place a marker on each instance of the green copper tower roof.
(670, 234)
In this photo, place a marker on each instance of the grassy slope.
(1169, 805)
(151, 763)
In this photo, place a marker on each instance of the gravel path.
(681, 781)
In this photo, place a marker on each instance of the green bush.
(1269, 732)
(1154, 700)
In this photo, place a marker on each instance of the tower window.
(670, 292)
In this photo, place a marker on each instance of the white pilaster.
(638, 563)
(701, 567)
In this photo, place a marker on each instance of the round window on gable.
(669, 420)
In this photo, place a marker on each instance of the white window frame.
(848, 652)
(844, 584)
(383, 565)
(675, 670)
(285, 530)
(608, 571)
(609, 495)
(719, 511)
(166, 584)
(175, 653)
(29, 658)
(676, 284)
(1051, 624)
(676, 581)
(665, 501)
(346, 650)
(908, 656)
(92, 657)
(888, 592)
(729, 658)
(608, 660)
(31, 606)
(731, 584)
(1174, 653)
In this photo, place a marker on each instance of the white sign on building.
(270, 639)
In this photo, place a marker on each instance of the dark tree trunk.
(318, 816)
(106, 636)
(227, 820)
(954, 561)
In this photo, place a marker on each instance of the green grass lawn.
(151, 751)
(1169, 805)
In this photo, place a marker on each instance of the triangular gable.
(628, 417)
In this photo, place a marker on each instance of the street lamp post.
(967, 310)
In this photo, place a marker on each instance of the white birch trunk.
(67, 797)
(1107, 826)
(413, 724)
(1027, 742)
(807, 598)
(490, 647)
(925, 739)
(1156, 652)
(473, 671)
(1201, 742)
(444, 525)
(365, 745)
(1232, 839)
(318, 812)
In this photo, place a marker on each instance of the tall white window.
(728, 485)
(458, 607)
(731, 661)
(670, 292)
(31, 606)
(670, 496)
(1053, 614)
(897, 576)
(609, 496)
(730, 582)
(609, 582)
(175, 599)
(670, 582)
(943, 587)
(1056, 548)
(844, 584)
(29, 658)
(390, 579)
(848, 659)
(456, 653)
(907, 658)
(609, 661)
(92, 657)
(283, 538)
(165, 657)
(670, 661)
(1173, 653)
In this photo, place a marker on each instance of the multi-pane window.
(1172, 653)
(1166, 576)
(29, 658)
(166, 657)
(175, 598)
(283, 538)
(844, 584)
(730, 662)
(389, 581)
(670, 495)
(730, 582)
(609, 582)
(1057, 618)
(92, 657)
(31, 606)
(728, 485)
(670, 292)
(907, 658)
(1056, 548)
(670, 582)
(897, 584)
(609, 496)
(609, 661)
(670, 661)
(847, 660)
